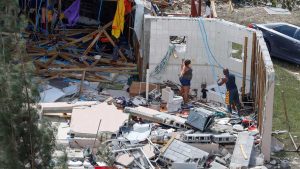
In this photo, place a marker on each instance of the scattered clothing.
(207, 12)
(72, 13)
(118, 22)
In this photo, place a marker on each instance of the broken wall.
(209, 45)
(217, 37)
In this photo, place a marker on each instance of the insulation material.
(85, 120)
(140, 133)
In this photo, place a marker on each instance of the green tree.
(25, 140)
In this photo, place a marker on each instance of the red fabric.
(127, 6)
(99, 167)
(104, 40)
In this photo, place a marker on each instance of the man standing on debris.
(232, 91)
(185, 79)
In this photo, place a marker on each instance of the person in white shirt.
(208, 13)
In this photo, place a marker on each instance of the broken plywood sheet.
(85, 120)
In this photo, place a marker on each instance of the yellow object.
(50, 16)
(243, 152)
(62, 15)
(227, 98)
(118, 23)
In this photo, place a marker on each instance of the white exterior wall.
(268, 99)
(220, 34)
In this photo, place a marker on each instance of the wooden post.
(47, 4)
(199, 7)
(213, 8)
(81, 83)
(253, 57)
(59, 10)
(245, 66)
(36, 14)
(230, 9)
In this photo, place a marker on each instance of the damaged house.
(94, 53)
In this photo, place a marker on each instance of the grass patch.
(288, 83)
(238, 50)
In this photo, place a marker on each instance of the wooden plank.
(245, 66)
(230, 9)
(81, 83)
(67, 57)
(114, 45)
(87, 78)
(253, 57)
(213, 8)
(51, 60)
(84, 38)
(92, 44)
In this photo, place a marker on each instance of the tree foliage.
(25, 141)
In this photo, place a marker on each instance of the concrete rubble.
(116, 102)
(140, 136)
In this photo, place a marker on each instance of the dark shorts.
(185, 82)
(234, 96)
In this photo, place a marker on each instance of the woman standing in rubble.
(185, 78)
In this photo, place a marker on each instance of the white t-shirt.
(207, 11)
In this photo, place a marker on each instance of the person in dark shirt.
(185, 78)
(204, 92)
(231, 87)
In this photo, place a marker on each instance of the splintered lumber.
(114, 45)
(88, 37)
(95, 69)
(92, 44)
(111, 62)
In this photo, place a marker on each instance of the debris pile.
(137, 135)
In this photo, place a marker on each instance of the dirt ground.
(247, 15)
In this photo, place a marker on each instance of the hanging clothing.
(127, 6)
(72, 13)
(118, 22)
(207, 12)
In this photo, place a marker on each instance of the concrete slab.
(85, 120)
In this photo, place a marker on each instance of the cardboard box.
(137, 88)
